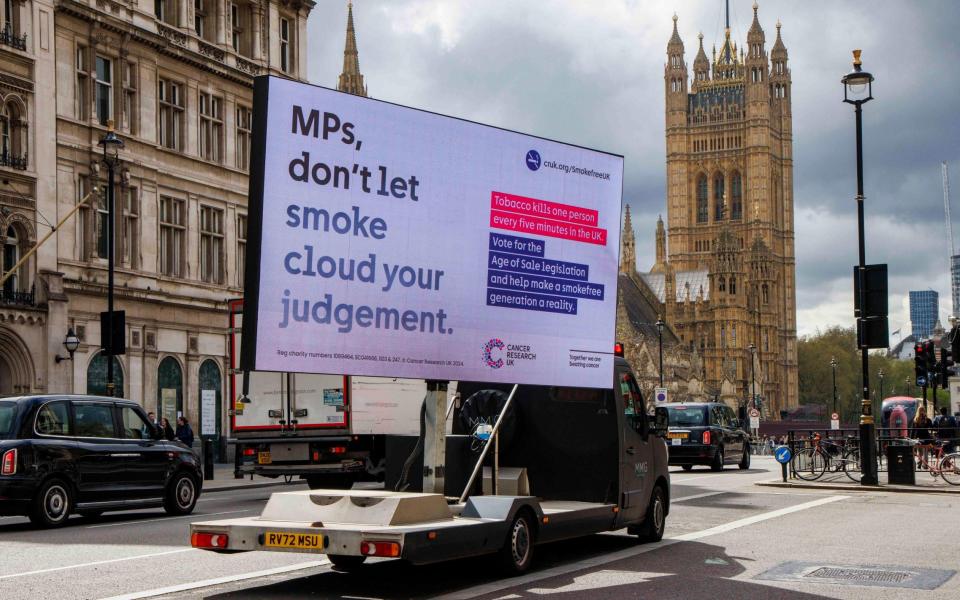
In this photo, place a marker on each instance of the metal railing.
(9, 38)
(11, 160)
(835, 441)
(18, 298)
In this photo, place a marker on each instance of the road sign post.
(835, 421)
(660, 394)
(782, 454)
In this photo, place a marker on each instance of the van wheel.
(745, 460)
(686, 467)
(717, 464)
(651, 530)
(181, 495)
(346, 563)
(516, 555)
(336, 481)
(52, 504)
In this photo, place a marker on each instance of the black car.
(61, 455)
(706, 433)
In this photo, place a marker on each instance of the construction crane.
(946, 207)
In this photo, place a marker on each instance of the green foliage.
(816, 377)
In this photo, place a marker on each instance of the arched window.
(722, 284)
(97, 376)
(736, 189)
(718, 196)
(211, 390)
(733, 285)
(11, 139)
(169, 389)
(723, 336)
(702, 209)
(11, 254)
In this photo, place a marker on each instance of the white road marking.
(680, 481)
(698, 496)
(174, 589)
(95, 563)
(599, 579)
(596, 561)
(139, 521)
(696, 535)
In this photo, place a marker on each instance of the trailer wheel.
(516, 555)
(345, 563)
(651, 530)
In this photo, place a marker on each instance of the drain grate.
(860, 575)
(869, 575)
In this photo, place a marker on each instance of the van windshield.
(8, 412)
(687, 416)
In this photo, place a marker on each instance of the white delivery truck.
(579, 461)
(328, 429)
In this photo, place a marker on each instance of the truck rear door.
(318, 401)
(637, 468)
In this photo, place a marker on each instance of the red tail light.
(316, 456)
(209, 540)
(338, 450)
(706, 437)
(249, 451)
(9, 464)
(618, 349)
(388, 549)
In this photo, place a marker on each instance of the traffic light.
(955, 341)
(920, 363)
(930, 353)
(946, 362)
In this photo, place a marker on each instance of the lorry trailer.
(589, 460)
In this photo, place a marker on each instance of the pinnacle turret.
(351, 79)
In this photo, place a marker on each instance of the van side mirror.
(661, 420)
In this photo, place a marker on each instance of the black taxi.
(63, 455)
(706, 433)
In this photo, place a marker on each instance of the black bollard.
(207, 459)
(783, 467)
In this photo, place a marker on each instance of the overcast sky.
(591, 73)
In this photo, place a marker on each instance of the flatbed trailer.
(594, 459)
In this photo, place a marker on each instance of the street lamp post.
(111, 149)
(753, 377)
(834, 364)
(858, 90)
(880, 375)
(660, 325)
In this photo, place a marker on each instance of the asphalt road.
(726, 538)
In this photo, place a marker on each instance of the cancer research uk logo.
(497, 354)
(533, 160)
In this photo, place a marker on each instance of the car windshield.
(8, 411)
(687, 416)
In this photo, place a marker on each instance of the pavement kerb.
(854, 487)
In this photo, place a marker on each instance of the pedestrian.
(921, 432)
(946, 427)
(184, 432)
(167, 431)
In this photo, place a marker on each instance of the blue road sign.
(921, 381)
(782, 454)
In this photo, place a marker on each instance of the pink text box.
(543, 209)
(546, 227)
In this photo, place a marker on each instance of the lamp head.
(112, 144)
(857, 84)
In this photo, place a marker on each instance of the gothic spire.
(628, 249)
(779, 50)
(351, 79)
(675, 38)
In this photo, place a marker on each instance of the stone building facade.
(725, 266)
(175, 78)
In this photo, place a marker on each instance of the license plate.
(308, 541)
(264, 458)
(677, 435)
(676, 441)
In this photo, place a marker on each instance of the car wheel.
(181, 496)
(346, 563)
(52, 504)
(745, 460)
(517, 552)
(651, 530)
(717, 464)
(336, 481)
(686, 467)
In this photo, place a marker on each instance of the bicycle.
(944, 465)
(811, 463)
